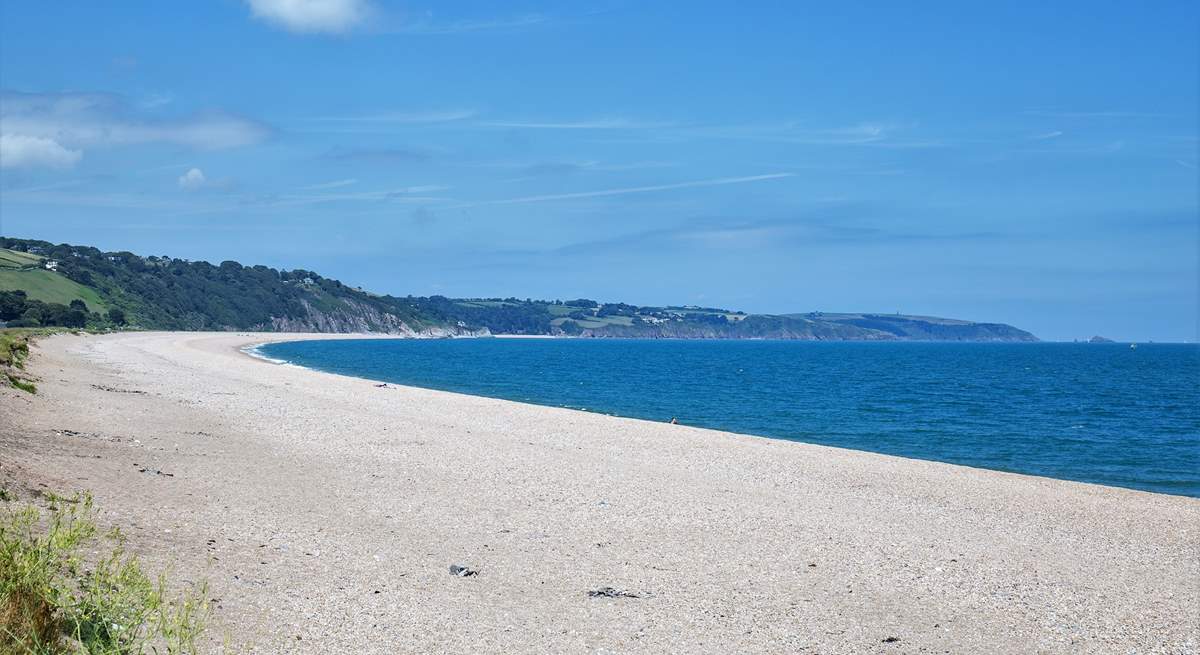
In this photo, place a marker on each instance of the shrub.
(53, 600)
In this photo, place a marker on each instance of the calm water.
(1097, 413)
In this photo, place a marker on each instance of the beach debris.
(381, 386)
(102, 387)
(461, 571)
(151, 471)
(609, 592)
(890, 640)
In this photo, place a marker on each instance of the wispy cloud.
(628, 190)
(589, 124)
(45, 129)
(379, 155)
(1100, 149)
(430, 25)
(106, 200)
(867, 133)
(439, 116)
(841, 227)
(720, 232)
(535, 170)
(1046, 135)
(24, 151)
(1051, 113)
(335, 184)
(418, 193)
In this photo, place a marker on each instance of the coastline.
(323, 490)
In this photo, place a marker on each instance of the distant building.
(50, 265)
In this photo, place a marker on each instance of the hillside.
(47, 284)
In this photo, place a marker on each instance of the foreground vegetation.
(14, 350)
(67, 588)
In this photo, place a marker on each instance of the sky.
(1027, 163)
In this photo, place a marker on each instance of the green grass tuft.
(14, 347)
(57, 596)
(23, 385)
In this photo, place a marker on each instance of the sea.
(1101, 413)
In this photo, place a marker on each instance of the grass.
(595, 321)
(22, 384)
(14, 346)
(14, 350)
(67, 588)
(48, 286)
(17, 259)
(560, 310)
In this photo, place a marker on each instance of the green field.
(593, 322)
(48, 286)
(13, 259)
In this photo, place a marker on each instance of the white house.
(50, 265)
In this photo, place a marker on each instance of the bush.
(52, 601)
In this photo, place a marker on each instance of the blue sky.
(1022, 163)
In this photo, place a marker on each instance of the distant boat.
(1133, 346)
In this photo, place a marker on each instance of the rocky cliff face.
(351, 316)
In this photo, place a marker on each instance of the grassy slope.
(48, 286)
(14, 259)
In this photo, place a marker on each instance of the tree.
(12, 305)
(74, 318)
(116, 316)
(79, 305)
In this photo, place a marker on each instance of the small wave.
(255, 352)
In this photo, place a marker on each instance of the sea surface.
(1102, 413)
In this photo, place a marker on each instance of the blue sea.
(1102, 413)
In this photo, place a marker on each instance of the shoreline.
(250, 350)
(334, 507)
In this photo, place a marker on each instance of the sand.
(324, 513)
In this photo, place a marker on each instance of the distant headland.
(80, 286)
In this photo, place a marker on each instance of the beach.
(324, 512)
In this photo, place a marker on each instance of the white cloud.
(310, 16)
(55, 129)
(24, 151)
(192, 180)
